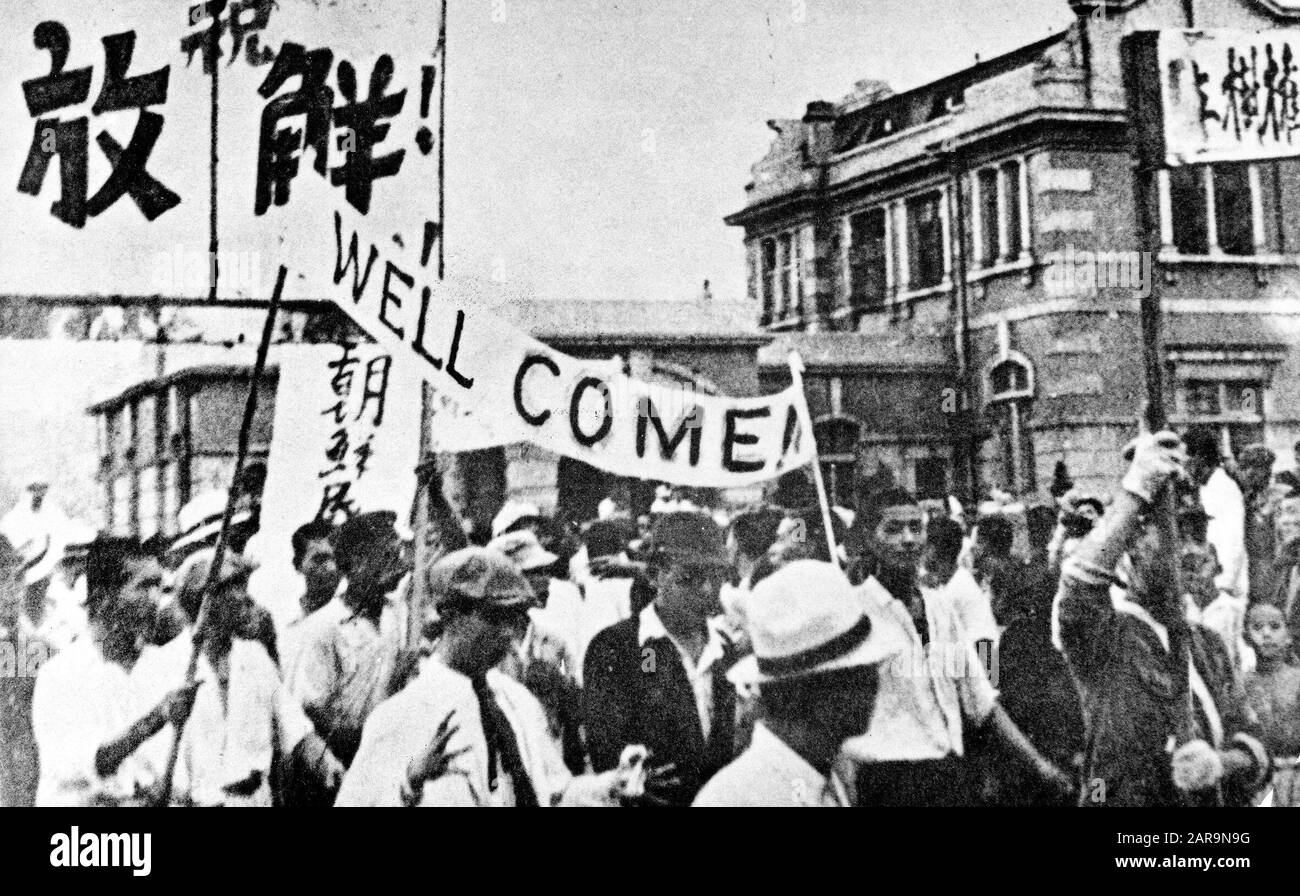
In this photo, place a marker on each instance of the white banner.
(1229, 96)
(346, 440)
(105, 154)
(492, 384)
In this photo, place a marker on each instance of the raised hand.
(434, 761)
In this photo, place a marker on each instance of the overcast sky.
(594, 146)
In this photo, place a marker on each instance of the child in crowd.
(1273, 690)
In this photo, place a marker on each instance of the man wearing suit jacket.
(658, 678)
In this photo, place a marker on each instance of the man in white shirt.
(936, 693)
(313, 559)
(462, 733)
(1223, 501)
(349, 655)
(242, 711)
(942, 578)
(86, 722)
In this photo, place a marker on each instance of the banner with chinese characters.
(492, 384)
(1223, 96)
(106, 155)
(346, 440)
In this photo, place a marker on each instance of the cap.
(193, 575)
(688, 538)
(478, 576)
(523, 549)
(805, 619)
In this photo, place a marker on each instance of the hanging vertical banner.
(345, 441)
(106, 155)
(1218, 95)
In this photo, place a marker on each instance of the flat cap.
(478, 576)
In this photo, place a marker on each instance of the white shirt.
(1226, 530)
(402, 726)
(769, 773)
(577, 614)
(228, 738)
(343, 663)
(699, 674)
(974, 610)
(81, 701)
(927, 692)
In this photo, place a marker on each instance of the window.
(1009, 390)
(998, 205)
(216, 412)
(1235, 407)
(1233, 208)
(769, 279)
(789, 293)
(925, 240)
(146, 429)
(867, 259)
(986, 182)
(1009, 379)
(1188, 201)
(837, 445)
(1011, 187)
(1251, 211)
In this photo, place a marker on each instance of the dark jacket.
(641, 695)
(1132, 706)
(1038, 694)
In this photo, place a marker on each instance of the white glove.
(1156, 459)
(1197, 766)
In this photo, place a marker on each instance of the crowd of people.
(1090, 650)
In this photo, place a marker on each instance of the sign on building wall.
(1220, 95)
(105, 156)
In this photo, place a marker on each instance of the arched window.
(837, 447)
(1009, 388)
(1010, 378)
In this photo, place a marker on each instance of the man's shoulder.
(1222, 488)
(738, 783)
(70, 665)
(436, 688)
(759, 778)
(514, 692)
(253, 655)
(323, 623)
(611, 637)
(874, 594)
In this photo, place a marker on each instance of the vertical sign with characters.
(345, 441)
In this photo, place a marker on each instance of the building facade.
(961, 266)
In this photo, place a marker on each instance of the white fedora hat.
(200, 519)
(805, 619)
(511, 513)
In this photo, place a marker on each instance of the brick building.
(1003, 195)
